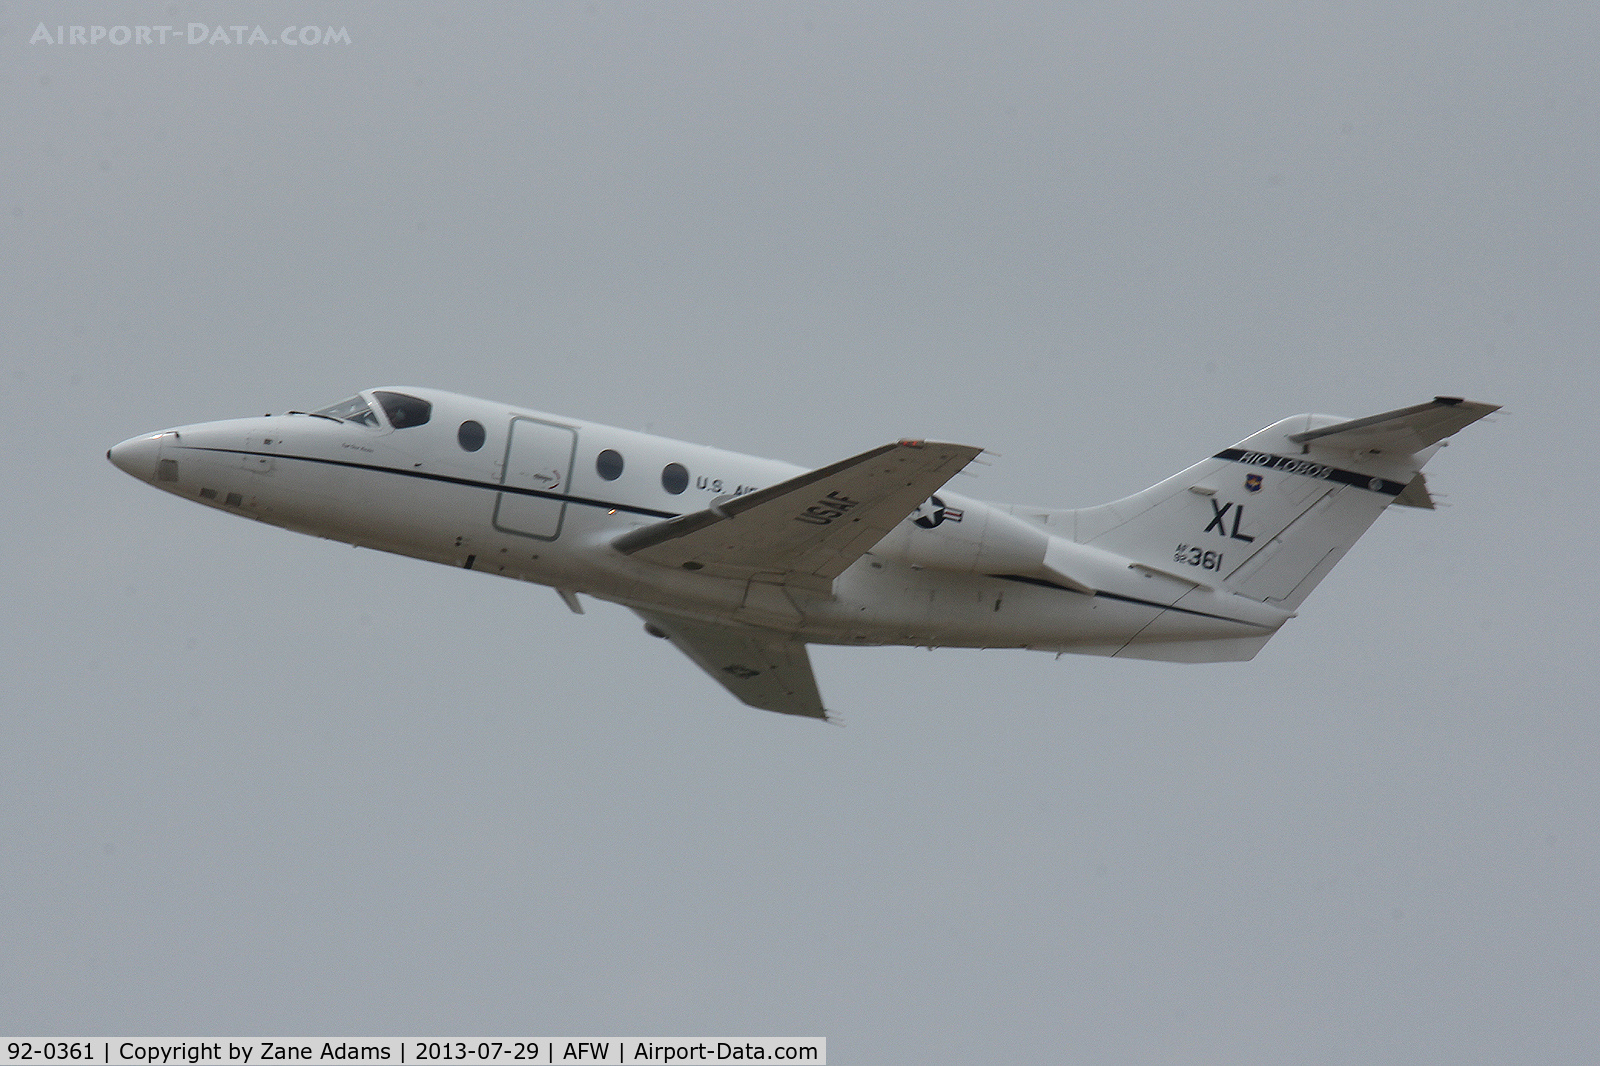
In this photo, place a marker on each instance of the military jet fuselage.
(741, 561)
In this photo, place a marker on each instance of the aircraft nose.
(139, 456)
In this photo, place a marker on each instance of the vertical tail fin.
(1270, 516)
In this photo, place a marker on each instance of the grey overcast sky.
(258, 784)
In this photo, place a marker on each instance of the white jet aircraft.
(741, 562)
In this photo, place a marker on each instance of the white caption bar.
(533, 1051)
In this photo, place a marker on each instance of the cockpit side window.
(404, 411)
(355, 409)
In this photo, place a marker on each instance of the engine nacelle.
(964, 536)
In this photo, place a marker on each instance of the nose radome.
(138, 456)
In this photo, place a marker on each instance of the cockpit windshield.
(355, 409)
(404, 411)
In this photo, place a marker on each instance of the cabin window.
(674, 478)
(608, 464)
(470, 435)
(355, 409)
(404, 411)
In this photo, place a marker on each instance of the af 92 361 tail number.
(1194, 556)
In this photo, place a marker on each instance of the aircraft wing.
(762, 669)
(807, 530)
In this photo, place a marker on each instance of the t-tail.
(1268, 518)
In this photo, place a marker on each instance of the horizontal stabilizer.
(805, 531)
(1404, 432)
(761, 668)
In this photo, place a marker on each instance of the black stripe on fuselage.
(446, 479)
(1127, 599)
(1289, 464)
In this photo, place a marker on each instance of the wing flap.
(807, 530)
(762, 669)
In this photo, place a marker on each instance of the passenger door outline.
(539, 457)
